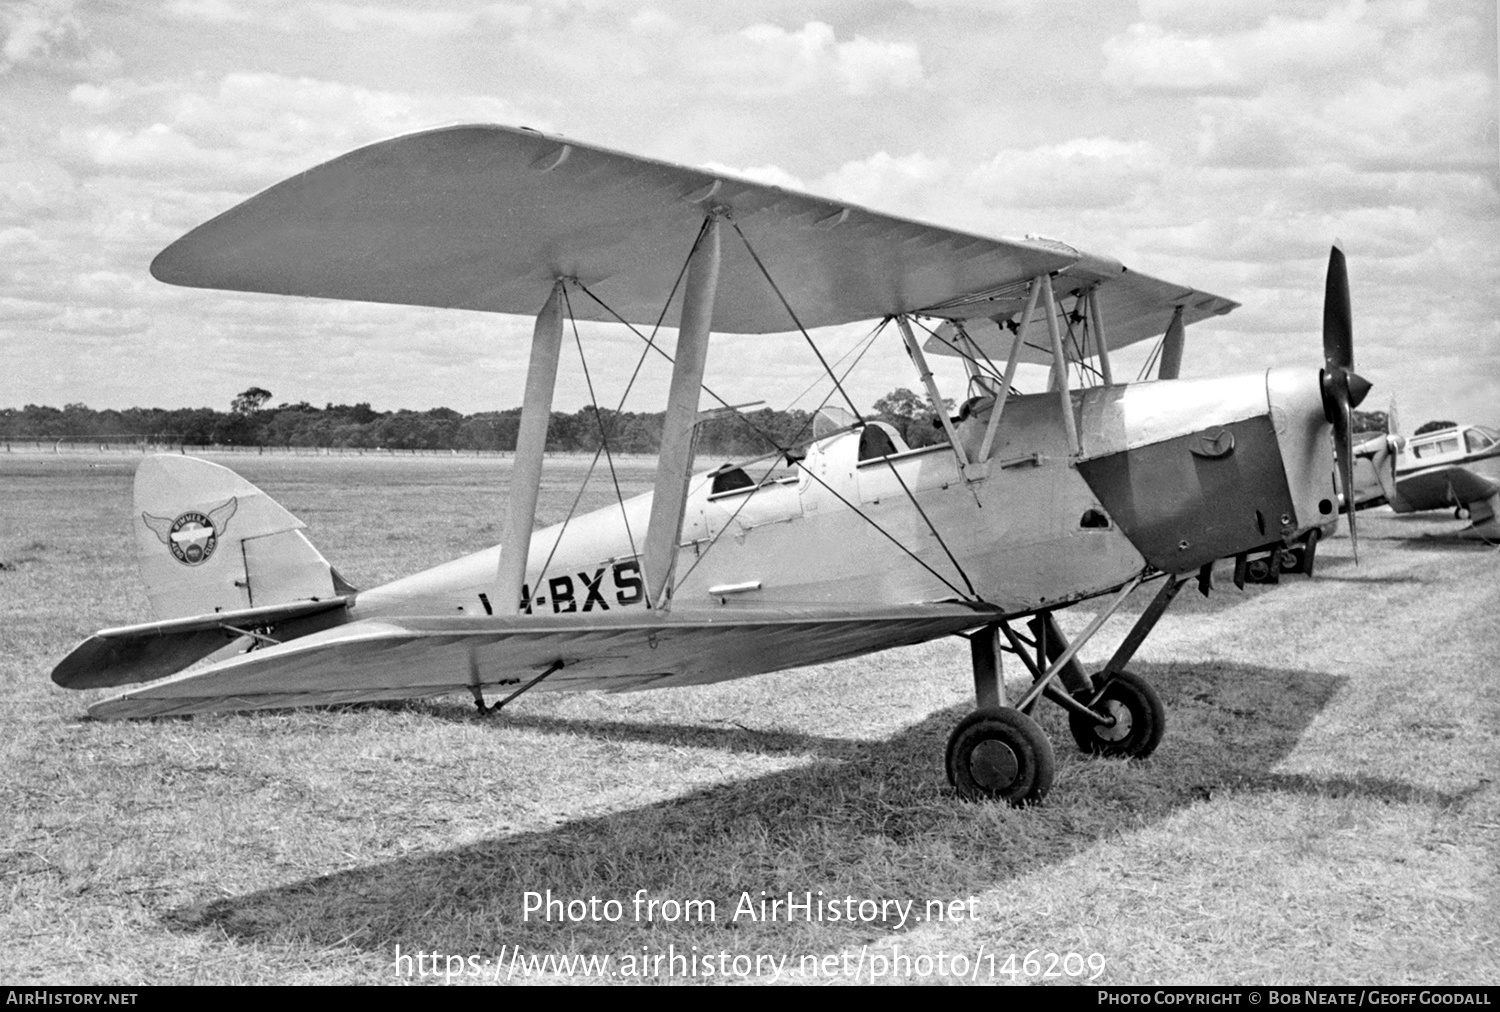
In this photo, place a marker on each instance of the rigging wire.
(650, 345)
(1151, 358)
(783, 450)
(599, 418)
(988, 363)
(838, 385)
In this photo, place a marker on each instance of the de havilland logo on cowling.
(193, 536)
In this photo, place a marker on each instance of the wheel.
(1140, 719)
(1000, 753)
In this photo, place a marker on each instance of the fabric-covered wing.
(1132, 307)
(486, 217)
(377, 659)
(1453, 485)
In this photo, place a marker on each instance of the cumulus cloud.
(885, 182)
(249, 129)
(349, 17)
(1429, 123)
(48, 33)
(1151, 57)
(213, 11)
(38, 29)
(771, 175)
(1084, 172)
(32, 187)
(773, 60)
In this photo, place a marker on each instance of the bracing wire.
(599, 419)
(839, 386)
(650, 346)
(784, 449)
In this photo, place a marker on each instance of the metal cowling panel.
(1190, 500)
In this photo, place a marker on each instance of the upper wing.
(405, 658)
(488, 217)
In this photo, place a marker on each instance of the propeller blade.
(1343, 389)
(1343, 442)
(1338, 319)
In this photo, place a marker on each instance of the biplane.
(1454, 467)
(842, 543)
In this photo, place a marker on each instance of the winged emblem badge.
(193, 536)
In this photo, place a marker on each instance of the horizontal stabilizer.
(404, 658)
(152, 650)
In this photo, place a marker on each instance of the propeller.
(1343, 388)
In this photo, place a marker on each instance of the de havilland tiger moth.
(845, 543)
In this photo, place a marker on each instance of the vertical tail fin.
(207, 540)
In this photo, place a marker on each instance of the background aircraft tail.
(209, 541)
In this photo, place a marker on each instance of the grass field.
(1324, 807)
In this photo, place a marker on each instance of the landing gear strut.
(999, 752)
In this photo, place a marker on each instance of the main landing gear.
(999, 752)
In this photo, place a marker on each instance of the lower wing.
(1454, 485)
(402, 658)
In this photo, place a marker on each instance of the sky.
(1222, 145)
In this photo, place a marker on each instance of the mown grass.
(1323, 808)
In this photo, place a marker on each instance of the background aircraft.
(1456, 467)
(841, 542)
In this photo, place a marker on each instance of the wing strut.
(1010, 370)
(1096, 320)
(1171, 348)
(915, 350)
(531, 441)
(675, 464)
(1060, 366)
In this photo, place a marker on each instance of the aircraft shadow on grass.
(801, 829)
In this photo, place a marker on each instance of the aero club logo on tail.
(193, 536)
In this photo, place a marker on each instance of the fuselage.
(1169, 476)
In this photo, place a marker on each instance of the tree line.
(250, 421)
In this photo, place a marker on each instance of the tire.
(1000, 754)
(1140, 719)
